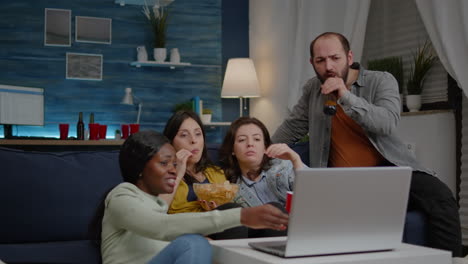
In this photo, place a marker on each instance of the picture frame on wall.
(93, 30)
(84, 66)
(57, 27)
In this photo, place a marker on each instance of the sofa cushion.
(415, 228)
(52, 196)
(79, 252)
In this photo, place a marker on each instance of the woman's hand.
(182, 157)
(284, 152)
(208, 206)
(264, 216)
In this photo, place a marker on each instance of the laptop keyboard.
(274, 248)
(279, 248)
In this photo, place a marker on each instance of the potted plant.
(117, 134)
(206, 115)
(187, 105)
(393, 65)
(423, 60)
(157, 18)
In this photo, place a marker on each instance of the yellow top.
(181, 205)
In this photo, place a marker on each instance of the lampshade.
(128, 97)
(128, 100)
(240, 80)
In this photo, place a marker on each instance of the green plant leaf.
(423, 60)
(158, 23)
(207, 111)
(182, 106)
(393, 65)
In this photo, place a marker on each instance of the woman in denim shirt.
(264, 171)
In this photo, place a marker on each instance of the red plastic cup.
(93, 131)
(102, 131)
(64, 130)
(134, 128)
(125, 131)
(289, 197)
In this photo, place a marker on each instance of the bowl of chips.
(220, 193)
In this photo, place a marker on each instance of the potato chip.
(220, 193)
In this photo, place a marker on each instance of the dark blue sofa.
(48, 200)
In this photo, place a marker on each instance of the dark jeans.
(245, 232)
(431, 196)
(253, 233)
(231, 233)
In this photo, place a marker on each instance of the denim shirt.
(373, 102)
(260, 187)
(279, 179)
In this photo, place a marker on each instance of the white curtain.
(447, 25)
(280, 34)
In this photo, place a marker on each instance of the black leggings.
(431, 196)
(245, 232)
(269, 232)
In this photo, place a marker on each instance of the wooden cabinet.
(61, 145)
(431, 136)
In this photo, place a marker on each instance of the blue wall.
(235, 39)
(195, 27)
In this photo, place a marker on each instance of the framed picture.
(84, 66)
(93, 30)
(57, 27)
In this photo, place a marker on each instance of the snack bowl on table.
(220, 193)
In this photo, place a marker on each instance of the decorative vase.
(413, 102)
(175, 56)
(206, 118)
(141, 53)
(160, 54)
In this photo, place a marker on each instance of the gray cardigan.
(280, 179)
(373, 102)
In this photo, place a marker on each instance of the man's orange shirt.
(350, 146)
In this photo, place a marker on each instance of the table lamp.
(240, 80)
(130, 99)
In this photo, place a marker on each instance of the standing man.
(362, 132)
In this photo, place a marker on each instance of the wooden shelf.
(170, 65)
(135, 2)
(218, 124)
(53, 142)
(426, 112)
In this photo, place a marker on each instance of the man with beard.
(362, 132)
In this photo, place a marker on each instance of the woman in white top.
(136, 227)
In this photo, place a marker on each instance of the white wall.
(272, 107)
(434, 139)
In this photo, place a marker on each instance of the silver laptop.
(344, 210)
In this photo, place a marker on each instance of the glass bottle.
(329, 106)
(91, 118)
(80, 127)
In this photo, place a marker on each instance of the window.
(395, 28)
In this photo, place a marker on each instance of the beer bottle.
(329, 107)
(80, 127)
